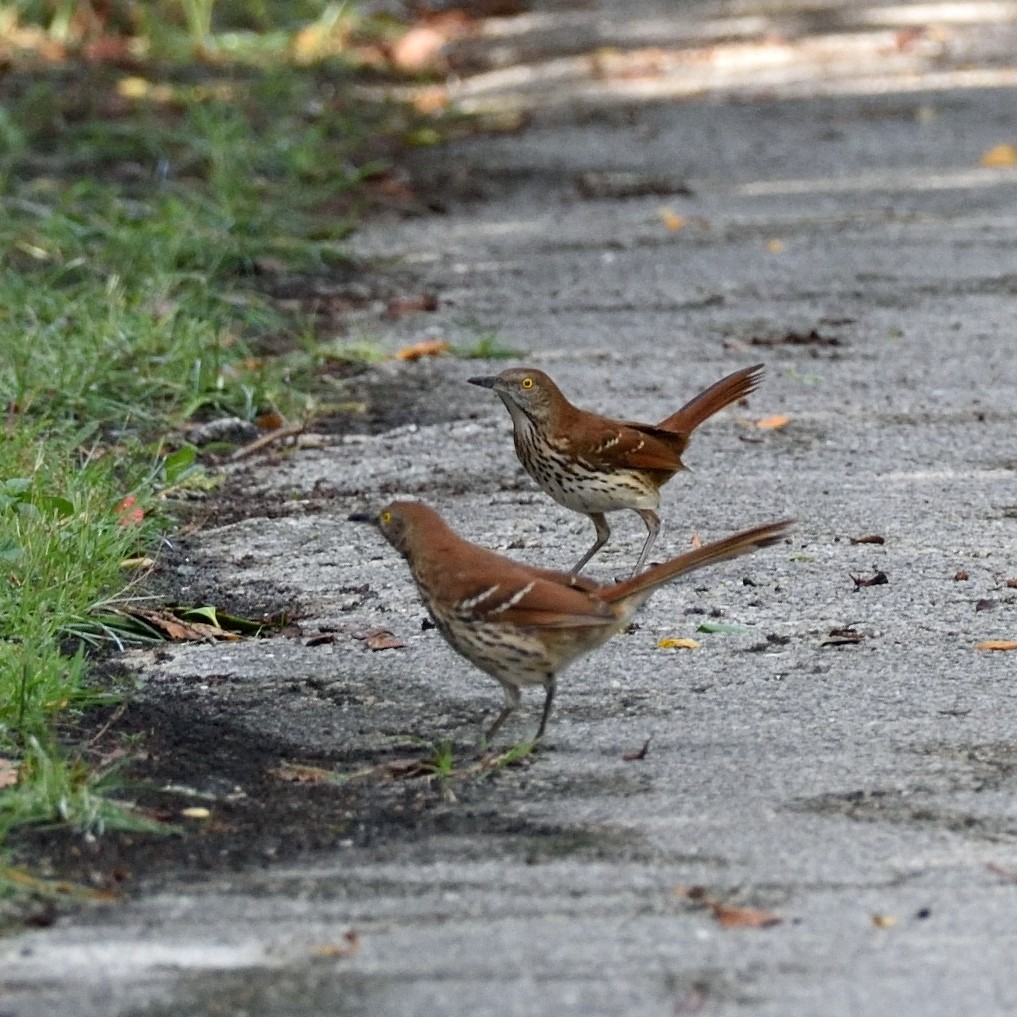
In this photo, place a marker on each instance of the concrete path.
(690, 193)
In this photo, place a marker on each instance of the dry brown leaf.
(773, 423)
(401, 306)
(997, 644)
(878, 578)
(639, 754)
(732, 916)
(347, 949)
(960, 576)
(868, 538)
(1011, 584)
(427, 348)
(178, 631)
(9, 772)
(1000, 156)
(270, 420)
(379, 639)
(301, 773)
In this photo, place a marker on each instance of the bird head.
(525, 390)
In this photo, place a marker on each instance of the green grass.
(143, 218)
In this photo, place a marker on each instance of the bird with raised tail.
(524, 625)
(593, 464)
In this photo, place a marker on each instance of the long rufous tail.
(712, 400)
(730, 547)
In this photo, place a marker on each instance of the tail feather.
(730, 547)
(726, 391)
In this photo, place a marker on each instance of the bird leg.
(599, 520)
(511, 702)
(548, 700)
(652, 521)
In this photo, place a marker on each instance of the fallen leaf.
(599, 184)
(270, 420)
(868, 538)
(997, 644)
(196, 812)
(9, 772)
(347, 949)
(775, 246)
(379, 639)
(427, 348)
(960, 576)
(1000, 156)
(731, 916)
(301, 773)
(401, 306)
(724, 627)
(883, 921)
(773, 423)
(811, 338)
(1011, 584)
(677, 644)
(431, 100)
(843, 637)
(878, 579)
(671, 220)
(170, 627)
(632, 757)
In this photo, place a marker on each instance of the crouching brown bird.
(524, 625)
(593, 464)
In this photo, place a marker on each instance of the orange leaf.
(733, 917)
(671, 220)
(427, 348)
(1000, 156)
(773, 423)
(997, 644)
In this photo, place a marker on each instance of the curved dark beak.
(483, 382)
(363, 517)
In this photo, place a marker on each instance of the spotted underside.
(585, 482)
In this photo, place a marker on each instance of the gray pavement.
(862, 792)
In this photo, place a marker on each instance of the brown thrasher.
(592, 464)
(524, 625)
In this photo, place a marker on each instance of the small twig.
(279, 434)
(114, 717)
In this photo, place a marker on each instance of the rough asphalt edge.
(830, 784)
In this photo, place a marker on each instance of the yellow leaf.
(775, 246)
(773, 423)
(997, 644)
(671, 220)
(678, 644)
(1001, 155)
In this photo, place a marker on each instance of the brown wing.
(506, 591)
(618, 444)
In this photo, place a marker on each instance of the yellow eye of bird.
(386, 518)
(527, 383)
